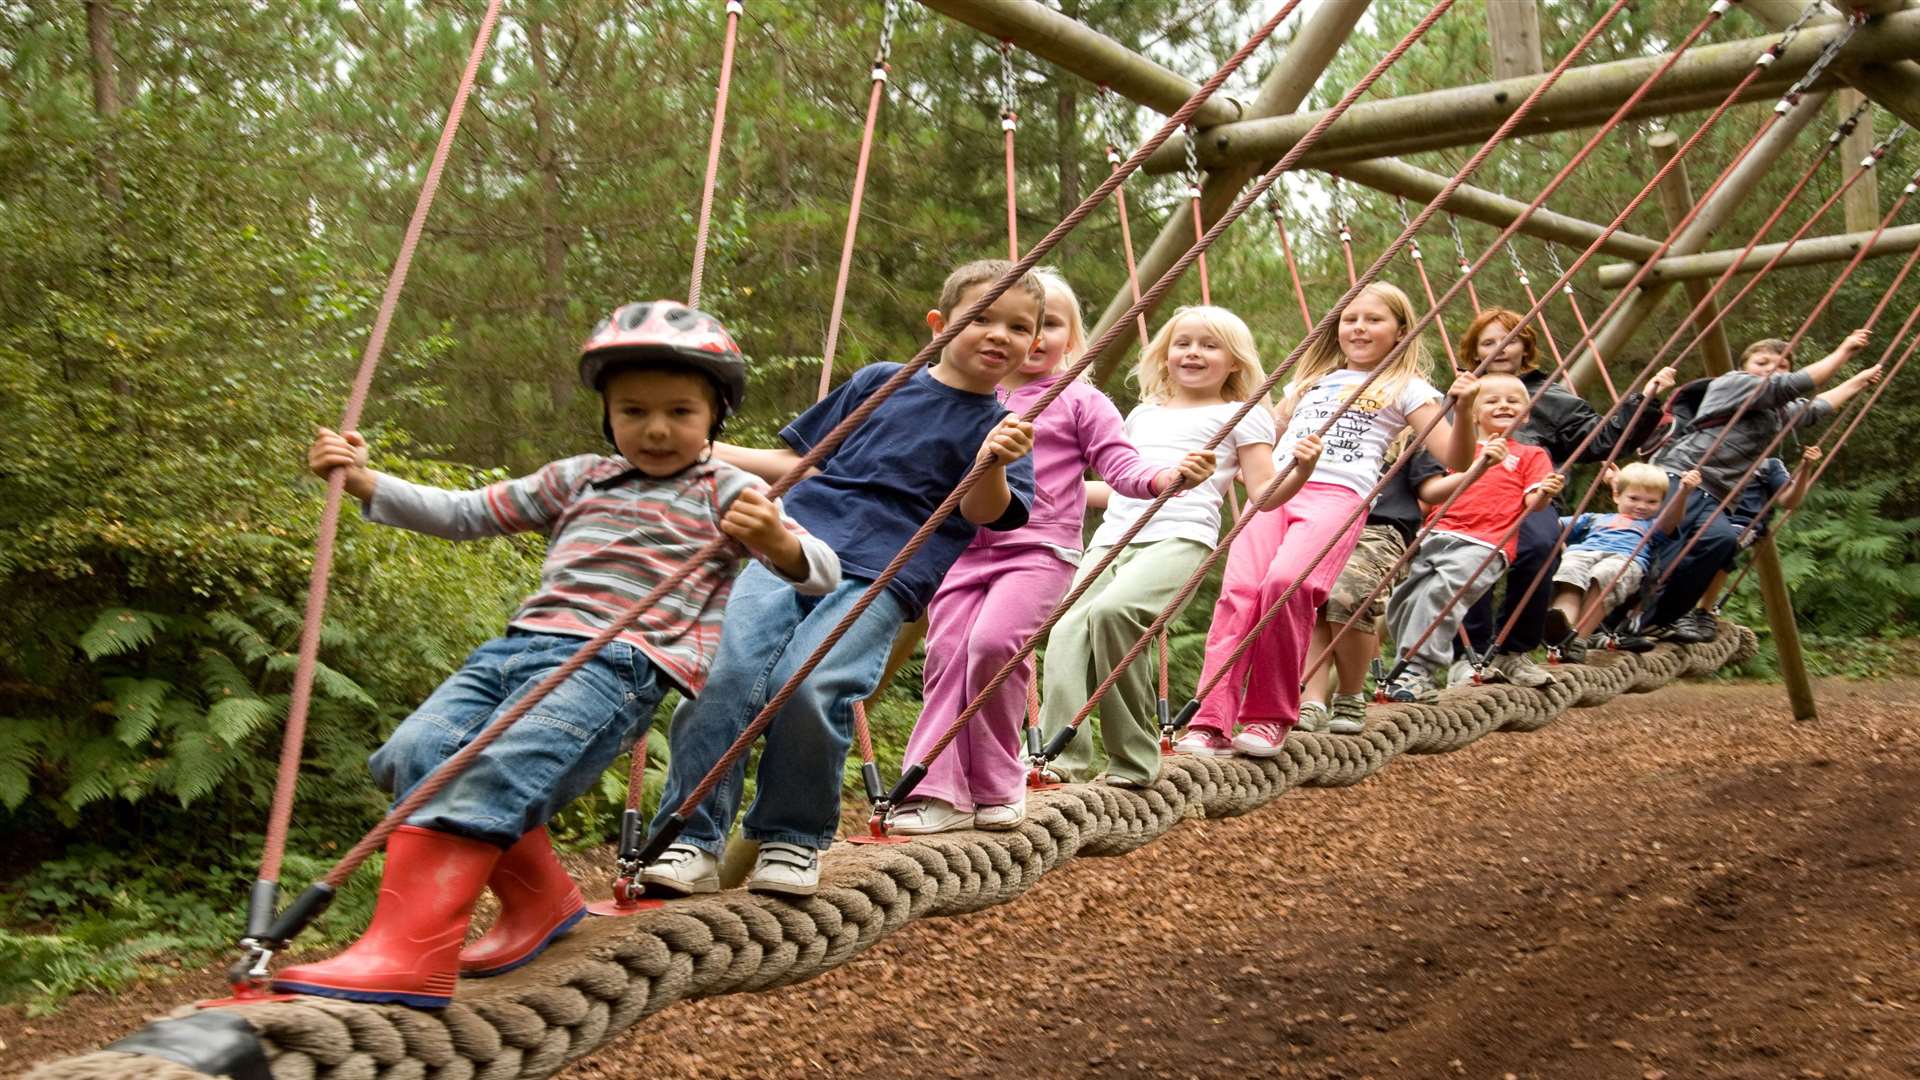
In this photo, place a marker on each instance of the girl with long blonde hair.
(1364, 388)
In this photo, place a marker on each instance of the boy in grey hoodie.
(1780, 400)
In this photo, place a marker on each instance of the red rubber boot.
(410, 954)
(538, 903)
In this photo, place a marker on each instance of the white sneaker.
(685, 870)
(1121, 782)
(1000, 816)
(1460, 673)
(1520, 670)
(786, 870)
(1349, 714)
(924, 817)
(1313, 716)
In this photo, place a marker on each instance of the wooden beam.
(1513, 33)
(1412, 182)
(1075, 47)
(1676, 198)
(1307, 56)
(1823, 249)
(1786, 629)
(1892, 82)
(1583, 96)
(1862, 200)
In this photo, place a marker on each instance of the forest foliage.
(199, 202)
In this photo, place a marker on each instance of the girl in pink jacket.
(1005, 585)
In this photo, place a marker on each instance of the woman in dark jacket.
(1557, 423)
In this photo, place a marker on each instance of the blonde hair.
(1052, 281)
(1324, 356)
(1772, 345)
(1243, 378)
(1640, 474)
(969, 276)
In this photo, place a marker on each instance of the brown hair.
(1772, 345)
(1470, 341)
(980, 272)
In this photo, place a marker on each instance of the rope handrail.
(265, 893)
(715, 139)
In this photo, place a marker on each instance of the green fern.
(136, 704)
(21, 741)
(120, 630)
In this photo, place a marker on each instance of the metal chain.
(1459, 245)
(1519, 270)
(1193, 161)
(885, 52)
(1826, 57)
(1008, 98)
(1559, 271)
(1413, 242)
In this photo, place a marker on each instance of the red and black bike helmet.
(666, 333)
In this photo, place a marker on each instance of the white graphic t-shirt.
(1358, 441)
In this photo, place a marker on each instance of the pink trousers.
(1268, 557)
(990, 602)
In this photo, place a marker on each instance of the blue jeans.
(1716, 550)
(770, 631)
(552, 756)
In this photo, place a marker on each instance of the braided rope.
(611, 973)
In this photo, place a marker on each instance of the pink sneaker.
(1261, 739)
(1204, 742)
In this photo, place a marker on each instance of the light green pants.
(1089, 643)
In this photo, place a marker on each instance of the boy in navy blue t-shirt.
(865, 500)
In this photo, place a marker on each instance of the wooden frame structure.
(1236, 140)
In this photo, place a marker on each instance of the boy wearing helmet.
(617, 525)
(866, 499)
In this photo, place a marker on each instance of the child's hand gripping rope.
(332, 450)
(1192, 471)
(1009, 442)
(754, 520)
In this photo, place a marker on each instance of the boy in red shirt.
(1519, 479)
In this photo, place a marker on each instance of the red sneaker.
(1204, 742)
(1261, 739)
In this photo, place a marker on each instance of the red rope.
(1586, 333)
(1193, 201)
(874, 97)
(1153, 295)
(1326, 325)
(1126, 245)
(301, 695)
(734, 10)
(1009, 120)
(1426, 286)
(720, 548)
(1293, 269)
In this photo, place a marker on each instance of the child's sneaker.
(1313, 716)
(924, 817)
(1574, 650)
(1460, 673)
(684, 870)
(999, 817)
(1204, 742)
(1696, 627)
(1121, 782)
(1519, 669)
(1412, 686)
(1261, 739)
(1349, 714)
(785, 870)
(1633, 643)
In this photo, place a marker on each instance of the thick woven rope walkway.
(612, 972)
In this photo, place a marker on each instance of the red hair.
(1470, 341)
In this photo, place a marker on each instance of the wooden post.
(1838, 247)
(1862, 200)
(1786, 632)
(1676, 198)
(1513, 31)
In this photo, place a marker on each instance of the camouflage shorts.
(1374, 556)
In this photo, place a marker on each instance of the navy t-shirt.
(1398, 504)
(885, 480)
(1769, 478)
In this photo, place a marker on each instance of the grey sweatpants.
(1443, 564)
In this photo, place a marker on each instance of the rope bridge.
(611, 973)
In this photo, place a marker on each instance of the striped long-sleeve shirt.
(614, 533)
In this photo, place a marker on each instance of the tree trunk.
(106, 95)
(553, 242)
